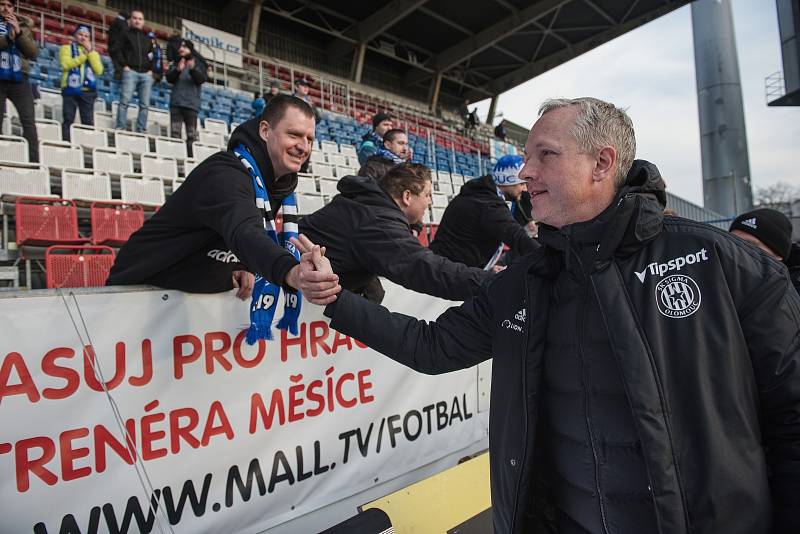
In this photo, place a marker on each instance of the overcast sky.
(650, 71)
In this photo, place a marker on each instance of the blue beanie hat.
(506, 171)
(82, 28)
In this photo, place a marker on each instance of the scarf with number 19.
(265, 293)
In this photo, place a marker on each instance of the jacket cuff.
(330, 309)
(281, 267)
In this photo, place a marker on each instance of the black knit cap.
(771, 227)
(379, 118)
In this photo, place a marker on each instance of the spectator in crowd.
(373, 141)
(367, 232)
(186, 75)
(500, 130)
(116, 31)
(395, 146)
(473, 119)
(477, 222)
(210, 232)
(158, 60)
(647, 369)
(80, 68)
(771, 231)
(17, 48)
(274, 90)
(301, 88)
(135, 53)
(463, 112)
(258, 105)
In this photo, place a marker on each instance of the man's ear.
(406, 198)
(264, 130)
(606, 164)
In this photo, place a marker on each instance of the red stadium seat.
(433, 228)
(423, 237)
(42, 4)
(94, 16)
(78, 266)
(114, 222)
(46, 221)
(75, 11)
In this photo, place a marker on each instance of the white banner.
(233, 438)
(213, 44)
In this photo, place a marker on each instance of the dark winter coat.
(210, 227)
(186, 83)
(475, 223)
(134, 50)
(366, 236)
(708, 351)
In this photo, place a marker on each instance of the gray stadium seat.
(13, 148)
(24, 179)
(85, 184)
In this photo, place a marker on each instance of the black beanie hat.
(771, 227)
(379, 118)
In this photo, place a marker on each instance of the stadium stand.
(136, 172)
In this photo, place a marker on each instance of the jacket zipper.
(587, 402)
(524, 403)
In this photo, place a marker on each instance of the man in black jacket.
(477, 221)
(210, 232)
(646, 374)
(115, 37)
(135, 53)
(367, 232)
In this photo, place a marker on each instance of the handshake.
(314, 276)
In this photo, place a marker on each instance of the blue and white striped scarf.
(265, 293)
(10, 59)
(385, 153)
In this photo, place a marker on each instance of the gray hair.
(599, 124)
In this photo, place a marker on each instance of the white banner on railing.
(213, 44)
(234, 438)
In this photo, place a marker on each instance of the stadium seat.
(114, 222)
(436, 214)
(432, 229)
(201, 151)
(167, 146)
(60, 154)
(112, 161)
(13, 148)
(162, 166)
(445, 188)
(77, 266)
(24, 179)
(48, 130)
(157, 121)
(135, 143)
(306, 183)
(329, 147)
(439, 200)
(210, 137)
(323, 170)
(176, 183)
(337, 159)
(188, 166)
(99, 105)
(349, 151)
(457, 180)
(343, 170)
(88, 136)
(328, 187)
(423, 237)
(215, 125)
(85, 184)
(144, 190)
(317, 157)
(46, 221)
(104, 120)
(308, 203)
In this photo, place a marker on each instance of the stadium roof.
(480, 48)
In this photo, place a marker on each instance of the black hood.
(479, 186)
(793, 260)
(631, 220)
(366, 191)
(247, 134)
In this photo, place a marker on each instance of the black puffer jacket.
(705, 335)
(367, 235)
(793, 263)
(475, 223)
(200, 235)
